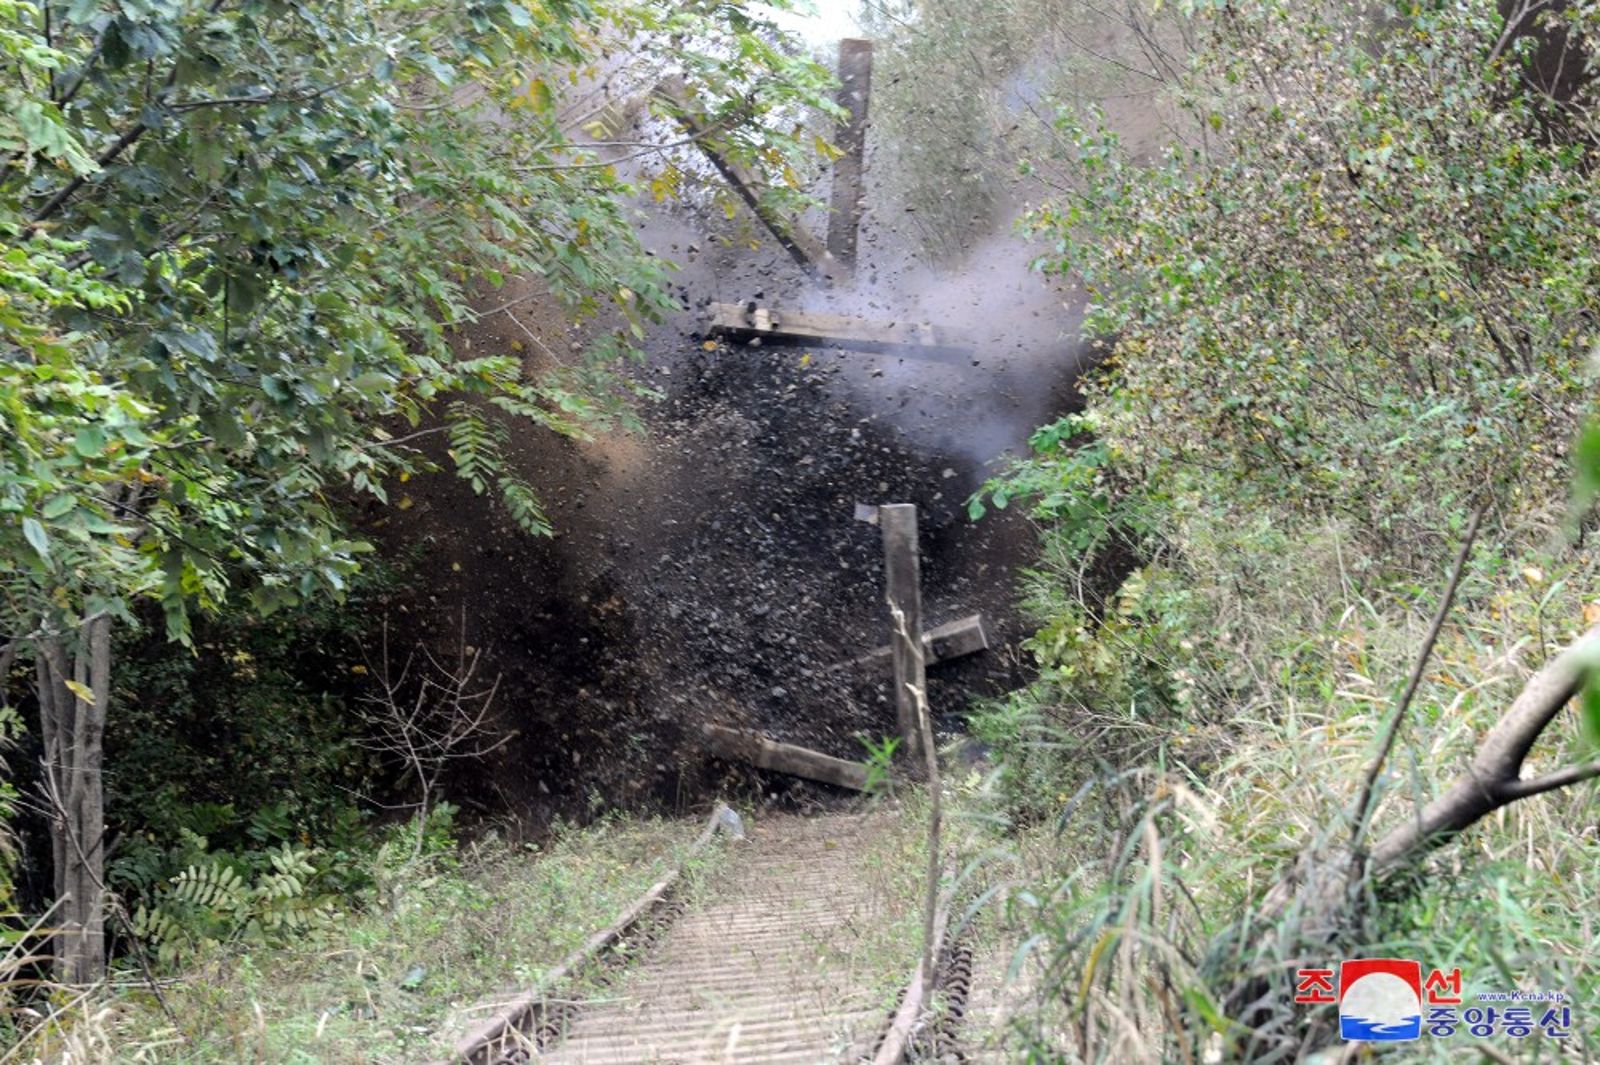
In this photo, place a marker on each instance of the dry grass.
(392, 985)
(1153, 868)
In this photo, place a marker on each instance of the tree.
(241, 234)
(1364, 247)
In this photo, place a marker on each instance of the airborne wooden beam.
(855, 87)
(803, 248)
(763, 753)
(745, 321)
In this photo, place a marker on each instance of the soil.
(712, 568)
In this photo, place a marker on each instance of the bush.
(237, 787)
(1360, 312)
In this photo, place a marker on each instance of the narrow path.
(773, 966)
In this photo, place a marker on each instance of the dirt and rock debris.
(712, 569)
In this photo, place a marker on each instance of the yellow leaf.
(710, 345)
(405, 475)
(539, 95)
(1533, 575)
(405, 503)
(81, 691)
(805, 360)
(516, 345)
(359, 670)
(1591, 613)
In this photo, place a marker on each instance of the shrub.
(1354, 305)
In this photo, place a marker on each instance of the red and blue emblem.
(1380, 999)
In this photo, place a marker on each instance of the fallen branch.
(1494, 779)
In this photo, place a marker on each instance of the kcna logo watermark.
(1387, 1000)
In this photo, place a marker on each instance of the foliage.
(402, 977)
(240, 239)
(880, 764)
(257, 717)
(1354, 301)
(243, 234)
(1112, 622)
(217, 898)
(1370, 294)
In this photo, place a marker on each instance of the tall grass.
(1146, 915)
(395, 983)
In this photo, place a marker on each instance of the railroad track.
(763, 971)
(782, 960)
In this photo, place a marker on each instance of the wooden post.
(903, 572)
(855, 86)
(785, 757)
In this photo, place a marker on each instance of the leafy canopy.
(240, 233)
(1365, 282)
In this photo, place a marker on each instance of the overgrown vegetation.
(240, 241)
(1316, 587)
(403, 977)
(1353, 309)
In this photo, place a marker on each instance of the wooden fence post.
(855, 85)
(903, 571)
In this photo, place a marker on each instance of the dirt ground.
(712, 569)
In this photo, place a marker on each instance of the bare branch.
(441, 716)
(1492, 780)
(1561, 778)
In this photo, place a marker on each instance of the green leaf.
(42, 130)
(56, 506)
(1586, 462)
(1589, 705)
(34, 533)
(90, 441)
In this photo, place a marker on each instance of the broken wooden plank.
(763, 753)
(803, 248)
(749, 320)
(954, 639)
(855, 86)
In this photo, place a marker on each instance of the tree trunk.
(72, 718)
